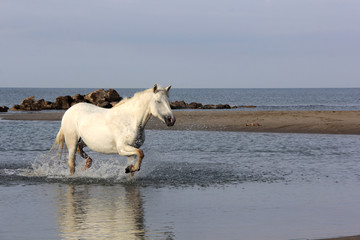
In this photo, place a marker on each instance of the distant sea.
(263, 99)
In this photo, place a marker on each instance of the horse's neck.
(136, 109)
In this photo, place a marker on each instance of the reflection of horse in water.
(100, 212)
(116, 130)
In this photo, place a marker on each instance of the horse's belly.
(102, 146)
(99, 140)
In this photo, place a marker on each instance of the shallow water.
(192, 185)
(247, 211)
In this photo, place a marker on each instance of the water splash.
(105, 169)
(155, 172)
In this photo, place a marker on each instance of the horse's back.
(84, 109)
(82, 112)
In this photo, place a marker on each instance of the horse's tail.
(59, 144)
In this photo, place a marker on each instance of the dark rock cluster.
(4, 108)
(99, 98)
(102, 98)
(194, 105)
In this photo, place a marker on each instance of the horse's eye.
(158, 101)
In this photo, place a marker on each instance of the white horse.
(116, 130)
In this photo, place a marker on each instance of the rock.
(178, 105)
(103, 98)
(28, 104)
(40, 103)
(28, 101)
(63, 102)
(96, 96)
(247, 106)
(113, 95)
(78, 98)
(44, 105)
(104, 104)
(4, 108)
(194, 105)
(209, 106)
(222, 106)
(48, 105)
(218, 106)
(15, 108)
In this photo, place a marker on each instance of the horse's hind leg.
(80, 150)
(71, 144)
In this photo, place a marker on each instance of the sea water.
(263, 99)
(192, 185)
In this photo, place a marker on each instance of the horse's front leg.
(130, 161)
(132, 151)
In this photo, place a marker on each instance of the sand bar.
(329, 122)
(344, 238)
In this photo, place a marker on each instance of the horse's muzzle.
(170, 120)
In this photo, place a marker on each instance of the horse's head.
(160, 106)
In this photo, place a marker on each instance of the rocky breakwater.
(99, 98)
(102, 98)
(194, 105)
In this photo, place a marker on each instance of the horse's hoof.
(130, 169)
(88, 163)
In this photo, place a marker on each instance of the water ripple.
(186, 158)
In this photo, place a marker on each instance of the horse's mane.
(124, 100)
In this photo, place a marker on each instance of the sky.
(183, 43)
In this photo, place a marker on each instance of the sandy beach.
(344, 238)
(327, 122)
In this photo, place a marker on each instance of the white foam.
(103, 167)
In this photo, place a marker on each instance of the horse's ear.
(168, 88)
(155, 88)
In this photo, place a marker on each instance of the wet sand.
(328, 122)
(344, 238)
